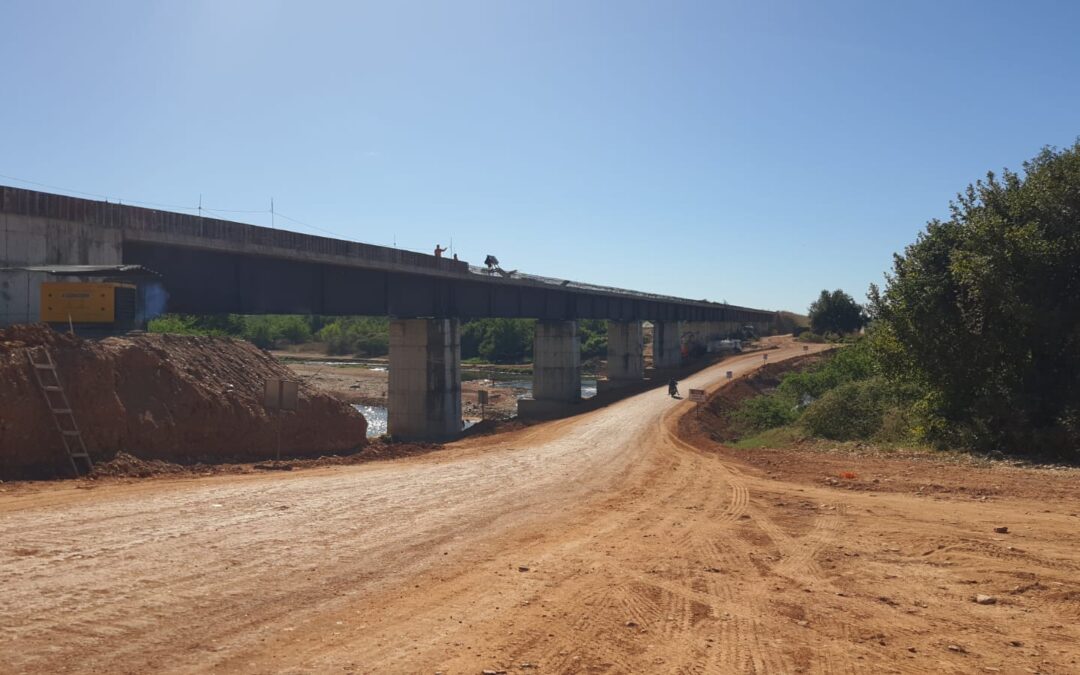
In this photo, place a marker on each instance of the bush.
(191, 324)
(169, 323)
(846, 397)
(868, 409)
(293, 329)
(855, 362)
(371, 344)
(260, 334)
(851, 411)
(766, 412)
(360, 336)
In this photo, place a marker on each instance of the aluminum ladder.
(49, 382)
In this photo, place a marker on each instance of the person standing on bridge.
(439, 250)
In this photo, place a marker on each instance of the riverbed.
(376, 414)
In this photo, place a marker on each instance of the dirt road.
(601, 543)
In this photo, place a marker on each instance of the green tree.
(984, 310)
(836, 312)
(507, 340)
(359, 335)
(259, 333)
(593, 336)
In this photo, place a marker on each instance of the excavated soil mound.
(159, 397)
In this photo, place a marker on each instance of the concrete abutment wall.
(27, 241)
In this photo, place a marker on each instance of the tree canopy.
(984, 310)
(835, 312)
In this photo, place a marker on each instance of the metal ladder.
(49, 382)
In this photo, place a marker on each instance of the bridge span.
(213, 266)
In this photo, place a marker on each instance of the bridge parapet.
(138, 224)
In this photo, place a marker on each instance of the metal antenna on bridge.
(272, 213)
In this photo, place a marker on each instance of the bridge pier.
(625, 354)
(425, 379)
(556, 370)
(557, 361)
(666, 345)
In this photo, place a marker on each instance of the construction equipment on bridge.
(92, 307)
(49, 382)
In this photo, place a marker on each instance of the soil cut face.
(159, 397)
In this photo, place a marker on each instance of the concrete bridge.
(212, 266)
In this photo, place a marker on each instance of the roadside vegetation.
(846, 397)
(974, 341)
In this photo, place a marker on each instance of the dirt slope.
(714, 418)
(159, 397)
(600, 544)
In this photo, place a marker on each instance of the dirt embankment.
(159, 397)
(861, 466)
(714, 419)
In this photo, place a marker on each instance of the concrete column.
(557, 361)
(425, 379)
(625, 349)
(666, 344)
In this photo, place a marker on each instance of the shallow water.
(588, 386)
(376, 419)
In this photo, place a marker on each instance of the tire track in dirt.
(623, 521)
(741, 647)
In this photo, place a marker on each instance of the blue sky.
(754, 152)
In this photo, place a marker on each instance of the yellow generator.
(93, 307)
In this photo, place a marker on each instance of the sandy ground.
(598, 544)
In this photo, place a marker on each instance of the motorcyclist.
(673, 388)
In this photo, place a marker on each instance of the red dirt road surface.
(598, 544)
